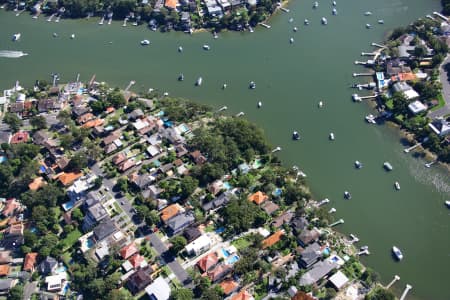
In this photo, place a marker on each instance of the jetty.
(358, 98)
(363, 252)
(332, 210)
(354, 239)
(340, 221)
(364, 63)
(412, 147)
(430, 17)
(368, 53)
(430, 163)
(57, 19)
(222, 108)
(378, 45)
(240, 114)
(265, 25)
(362, 74)
(440, 16)
(101, 21)
(50, 18)
(323, 202)
(408, 287)
(125, 22)
(284, 9)
(132, 82)
(276, 149)
(396, 278)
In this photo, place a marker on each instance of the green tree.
(16, 293)
(178, 243)
(380, 293)
(116, 98)
(78, 161)
(38, 122)
(188, 186)
(13, 121)
(181, 294)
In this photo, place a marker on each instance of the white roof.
(118, 143)
(417, 107)
(153, 150)
(159, 289)
(198, 244)
(264, 232)
(411, 94)
(338, 279)
(139, 124)
(127, 266)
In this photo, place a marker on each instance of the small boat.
(72, 36)
(324, 21)
(145, 42)
(368, 13)
(250, 29)
(16, 37)
(199, 81)
(206, 47)
(181, 77)
(166, 94)
(447, 203)
(215, 35)
(252, 85)
(55, 34)
(259, 104)
(306, 22)
(316, 4)
(380, 21)
(334, 3)
(295, 29)
(358, 164)
(332, 210)
(320, 104)
(331, 136)
(291, 20)
(398, 254)
(334, 11)
(291, 40)
(370, 119)
(347, 195)
(180, 49)
(397, 185)
(387, 166)
(368, 26)
(364, 248)
(295, 136)
(224, 86)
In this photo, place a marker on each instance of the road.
(29, 289)
(443, 77)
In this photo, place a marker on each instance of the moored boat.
(199, 81)
(380, 21)
(368, 26)
(295, 29)
(397, 253)
(320, 104)
(259, 104)
(324, 21)
(368, 13)
(72, 36)
(316, 4)
(180, 49)
(145, 42)
(347, 195)
(387, 166)
(181, 77)
(358, 164)
(252, 85)
(397, 185)
(306, 22)
(291, 40)
(295, 136)
(16, 37)
(331, 136)
(334, 11)
(206, 47)
(447, 203)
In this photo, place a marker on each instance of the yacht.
(72, 36)
(16, 36)
(358, 164)
(316, 4)
(206, 47)
(380, 21)
(387, 166)
(252, 85)
(334, 3)
(180, 49)
(181, 77)
(368, 13)
(324, 21)
(259, 104)
(447, 203)
(306, 22)
(347, 195)
(368, 26)
(145, 42)
(320, 104)
(331, 136)
(291, 40)
(199, 81)
(397, 185)
(398, 254)
(295, 136)
(334, 11)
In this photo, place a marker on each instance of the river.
(291, 79)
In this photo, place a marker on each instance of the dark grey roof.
(47, 265)
(299, 224)
(40, 137)
(179, 222)
(191, 233)
(319, 270)
(137, 113)
(5, 136)
(310, 255)
(5, 284)
(97, 212)
(219, 201)
(79, 110)
(104, 229)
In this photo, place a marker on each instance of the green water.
(291, 79)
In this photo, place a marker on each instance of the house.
(215, 187)
(166, 168)
(318, 271)
(47, 105)
(98, 131)
(258, 197)
(84, 118)
(128, 251)
(39, 137)
(142, 181)
(299, 224)
(292, 291)
(135, 114)
(105, 229)
(191, 233)
(284, 218)
(110, 148)
(15, 229)
(213, 8)
(217, 202)
(171, 4)
(273, 239)
(198, 246)
(219, 272)
(153, 191)
(47, 266)
(405, 89)
(6, 285)
(56, 282)
(270, 207)
(417, 107)
(338, 280)
(178, 223)
(308, 236)
(95, 212)
(129, 163)
(244, 168)
(4, 270)
(62, 162)
(93, 123)
(198, 157)
(242, 295)
(170, 211)
(30, 262)
(37, 183)
(440, 126)
(180, 150)
(12, 206)
(5, 257)
(208, 261)
(67, 179)
(139, 280)
(310, 255)
(5, 137)
(119, 158)
(158, 290)
(153, 150)
(137, 261)
(78, 111)
(20, 137)
(229, 286)
(111, 138)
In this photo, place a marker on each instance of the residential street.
(443, 76)
(29, 289)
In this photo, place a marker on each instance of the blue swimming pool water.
(89, 243)
(184, 127)
(334, 259)
(227, 185)
(68, 205)
(277, 192)
(60, 269)
(2, 159)
(160, 114)
(232, 259)
(225, 253)
(326, 251)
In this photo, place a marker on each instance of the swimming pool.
(277, 192)
(2, 159)
(232, 259)
(220, 230)
(227, 185)
(326, 251)
(60, 269)
(88, 243)
(68, 205)
(225, 253)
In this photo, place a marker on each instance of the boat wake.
(12, 54)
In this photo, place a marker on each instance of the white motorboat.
(397, 253)
(347, 195)
(72, 36)
(380, 21)
(206, 47)
(215, 35)
(370, 119)
(16, 37)
(368, 13)
(447, 203)
(368, 26)
(316, 4)
(295, 29)
(252, 85)
(334, 11)
(364, 248)
(199, 81)
(358, 164)
(323, 202)
(224, 86)
(397, 185)
(324, 21)
(259, 104)
(291, 40)
(55, 34)
(181, 77)
(145, 42)
(334, 3)
(332, 210)
(180, 49)
(306, 22)
(331, 136)
(295, 136)
(291, 20)
(320, 104)
(250, 29)
(387, 166)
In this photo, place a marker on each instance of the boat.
(347, 195)
(224, 86)
(316, 4)
(368, 26)
(331, 136)
(358, 164)
(398, 254)
(368, 13)
(364, 248)
(387, 166)
(55, 34)
(380, 21)
(370, 119)
(291, 40)
(72, 36)
(447, 203)
(252, 85)
(291, 20)
(320, 104)
(16, 37)
(145, 42)
(181, 77)
(306, 22)
(206, 47)
(215, 35)
(295, 136)
(324, 21)
(334, 3)
(334, 11)
(199, 81)
(332, 210)
(397, 185)
(250, 29)
(180, 49)
(259, 104)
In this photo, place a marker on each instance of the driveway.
(443, 77)
(29, 289)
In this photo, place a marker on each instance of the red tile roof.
(4, 270)
(228, 286)
(258, 197)
(170, 211)
(68, 178)
(37, 183)
(171, 4)
(208, 261)
(30, 261)
(136, 260)
(242, 295)
(273, 239)
(10, 207)
(20, 137)
(128, 250)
